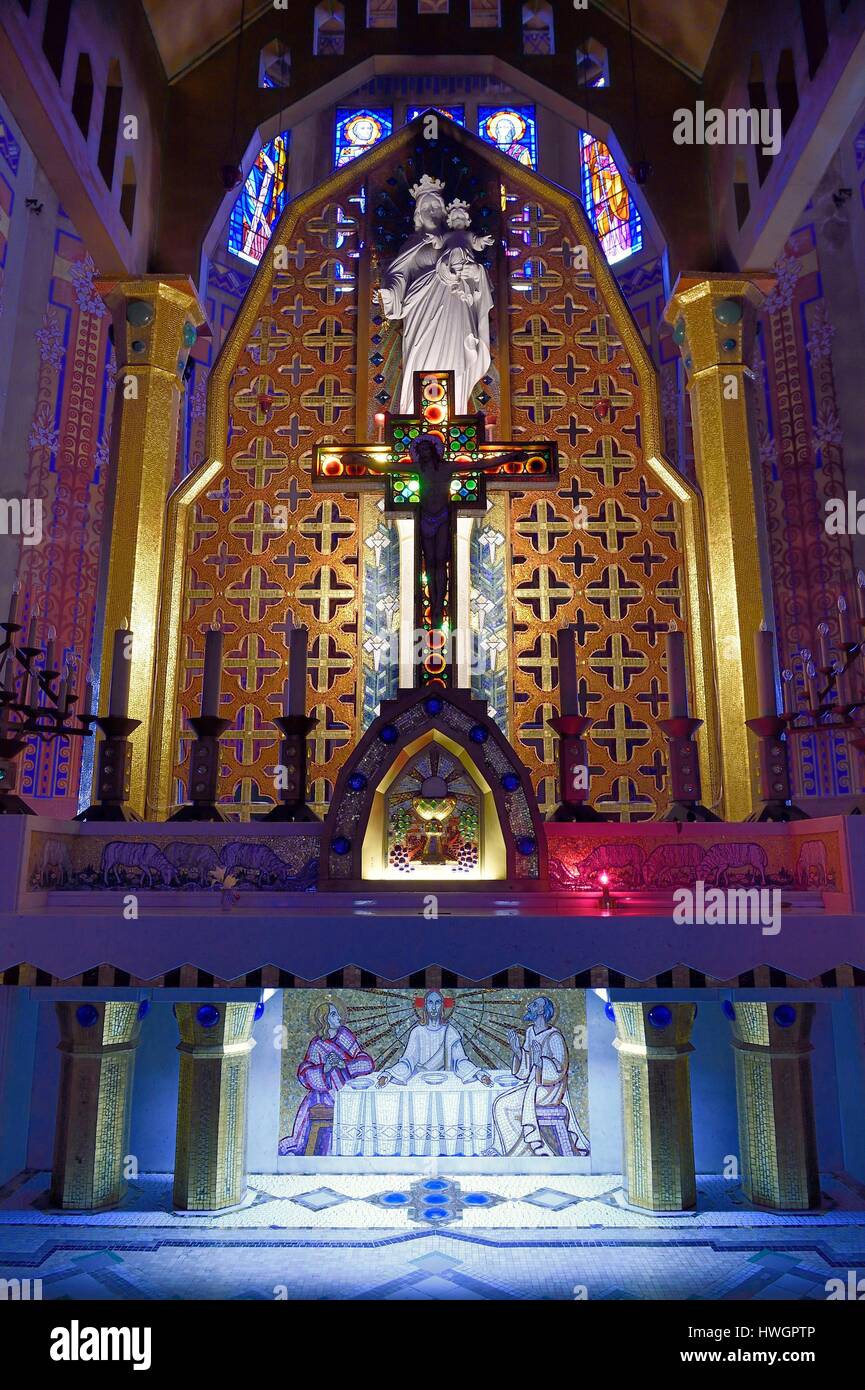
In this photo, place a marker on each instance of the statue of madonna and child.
(438, 287)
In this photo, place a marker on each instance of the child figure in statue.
(458, 266)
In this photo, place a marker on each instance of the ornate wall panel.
(263, 549)
(618, 570)
(801, 451)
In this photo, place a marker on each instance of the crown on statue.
(458, 211)
(426, 185)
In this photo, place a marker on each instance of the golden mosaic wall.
(617, 570)
(262, 545)
(570, 367)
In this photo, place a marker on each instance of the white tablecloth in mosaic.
(449, 1118)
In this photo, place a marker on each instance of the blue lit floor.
(324, 1237)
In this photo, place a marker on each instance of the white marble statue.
(442, 293)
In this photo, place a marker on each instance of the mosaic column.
(210, 1157)
(91, 1139)
(714, 320)
(775, 1101)
(155, 323)
(653, 1043)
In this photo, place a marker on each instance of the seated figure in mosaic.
(333, 1058)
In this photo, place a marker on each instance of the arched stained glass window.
(512, 129)
(455, 113)
(357, 130)
(608, 202)
(258, 205)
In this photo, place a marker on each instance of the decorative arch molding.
(514, 849)
(675, 488)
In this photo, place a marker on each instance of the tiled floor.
(339, 1238)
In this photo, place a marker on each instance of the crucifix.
(437, 466)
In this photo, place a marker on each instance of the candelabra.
(25, 718)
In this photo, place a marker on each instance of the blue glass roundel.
(727, 1010)
(341, 844)
(144, 1008)
(478, 734)
(476, 1199)
(258, 1011)
(434, 1214)
(435, 1185)
(87, 1015)
(610, 1011)
(207, 1015)
(785, 1015)
(728, 311)
(357, 781)
(660, 1016)
(526, 844)
(389, 733)
(395, 1199)
(435, 1198)
(510, 781)
(433, 704)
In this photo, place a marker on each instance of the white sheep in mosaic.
(732, 856)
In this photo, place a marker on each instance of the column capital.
(714, 317)
(782, 1030)
(156, 320)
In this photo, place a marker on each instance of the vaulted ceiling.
(186, 33)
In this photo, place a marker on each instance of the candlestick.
(811, 680)
(121, 670)
(677, 680)
(848, 634)
(788, 690)
(825, 649)
(211, 688)
(87, 706)
(764, 655)
(12, 615)
(61, 691)
(295, 698)
(379, 418)
(31, 630)
(50, 650)
(860, 595)
(568, 699)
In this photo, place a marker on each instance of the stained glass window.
(456, 113)
(358, 130)
(608, 202)
(511, 129)
(258, 205)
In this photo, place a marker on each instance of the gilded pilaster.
(155, 323)
(714, 321)
(91, 1138)
(775, 1101)
(653, 1043)
(210, 1158)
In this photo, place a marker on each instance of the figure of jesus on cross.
(437, 466)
